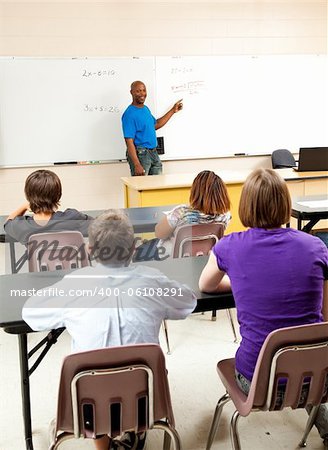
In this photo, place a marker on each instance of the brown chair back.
(112, 390)
(56, 251)
(295, 356)
(197, 239)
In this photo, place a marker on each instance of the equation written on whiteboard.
(98, 73)
(101, 108)
(189, 87)
(179, 70)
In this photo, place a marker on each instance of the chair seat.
(226, 372)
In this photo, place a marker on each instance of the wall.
(80, 28)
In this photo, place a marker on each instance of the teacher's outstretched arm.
(164, 119)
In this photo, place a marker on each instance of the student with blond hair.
(278, 276)
(127, 305)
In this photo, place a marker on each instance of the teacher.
(139, 130)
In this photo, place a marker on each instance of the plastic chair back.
(113, 390)
(282, 158)
(197, 239)
(293, 356)
(56, 251)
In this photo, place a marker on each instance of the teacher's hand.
(139, 170)
(178, 106)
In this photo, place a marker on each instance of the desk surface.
(143, 219)
(182, 180)
(185, 271)
(310, 204)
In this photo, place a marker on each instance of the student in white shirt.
(113, 303)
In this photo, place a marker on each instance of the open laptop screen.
(313, 158)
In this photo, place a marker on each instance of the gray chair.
(112, 391)
(299, 356)
(282, 158)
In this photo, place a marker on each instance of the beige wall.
(87, 28)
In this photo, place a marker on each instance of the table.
(143, 221)
(11, 314)
(312, 208)
(175, 188)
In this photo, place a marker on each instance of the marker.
(240, 154)
(64, 162)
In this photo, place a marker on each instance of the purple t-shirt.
(277, 279)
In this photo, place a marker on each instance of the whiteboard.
(243, 104)
(54, 110)
(69, 109)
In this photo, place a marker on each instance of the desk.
(142, 219)
(309, 208)
(175, 188)
(11, 314)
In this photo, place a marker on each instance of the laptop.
(312, 159)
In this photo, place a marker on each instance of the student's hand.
(178, 106)
(139, 170)
(19, 211)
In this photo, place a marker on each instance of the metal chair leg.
(232, 325)
(215, 422)
(234, 431)
(171, 434)
(166, 332)
(309, 425)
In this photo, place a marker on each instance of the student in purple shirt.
(278, 276)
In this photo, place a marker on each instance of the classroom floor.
(197, 344)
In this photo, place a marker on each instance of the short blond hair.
(265, 200)
(111, 238)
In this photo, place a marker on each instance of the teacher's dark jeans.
(149, 160)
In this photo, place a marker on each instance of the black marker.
(60, 163)
(240, 154)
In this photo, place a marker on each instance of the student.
(128, 306)
(139, 130)
(43, 192)
(208, 203)
(277, 275)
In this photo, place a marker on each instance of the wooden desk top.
(182, 180)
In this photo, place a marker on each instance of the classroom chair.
(112, 391)
(282, 158)
(299, 356)
(198, 240)
(56, 251)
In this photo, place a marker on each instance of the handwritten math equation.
(101, 108)
(189, 87)
(179, 70)
(98, 73)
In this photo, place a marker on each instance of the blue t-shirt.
(139, 125)
(277, 278)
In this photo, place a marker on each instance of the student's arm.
(40, 313)
(138, 169)
(164, 119)
(212, 279)
(19, 211)
(325, 301)
(180, 303)
(163, 229)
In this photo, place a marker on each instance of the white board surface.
(56, 110)
(243, 104)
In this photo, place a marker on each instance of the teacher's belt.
(145, 148)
